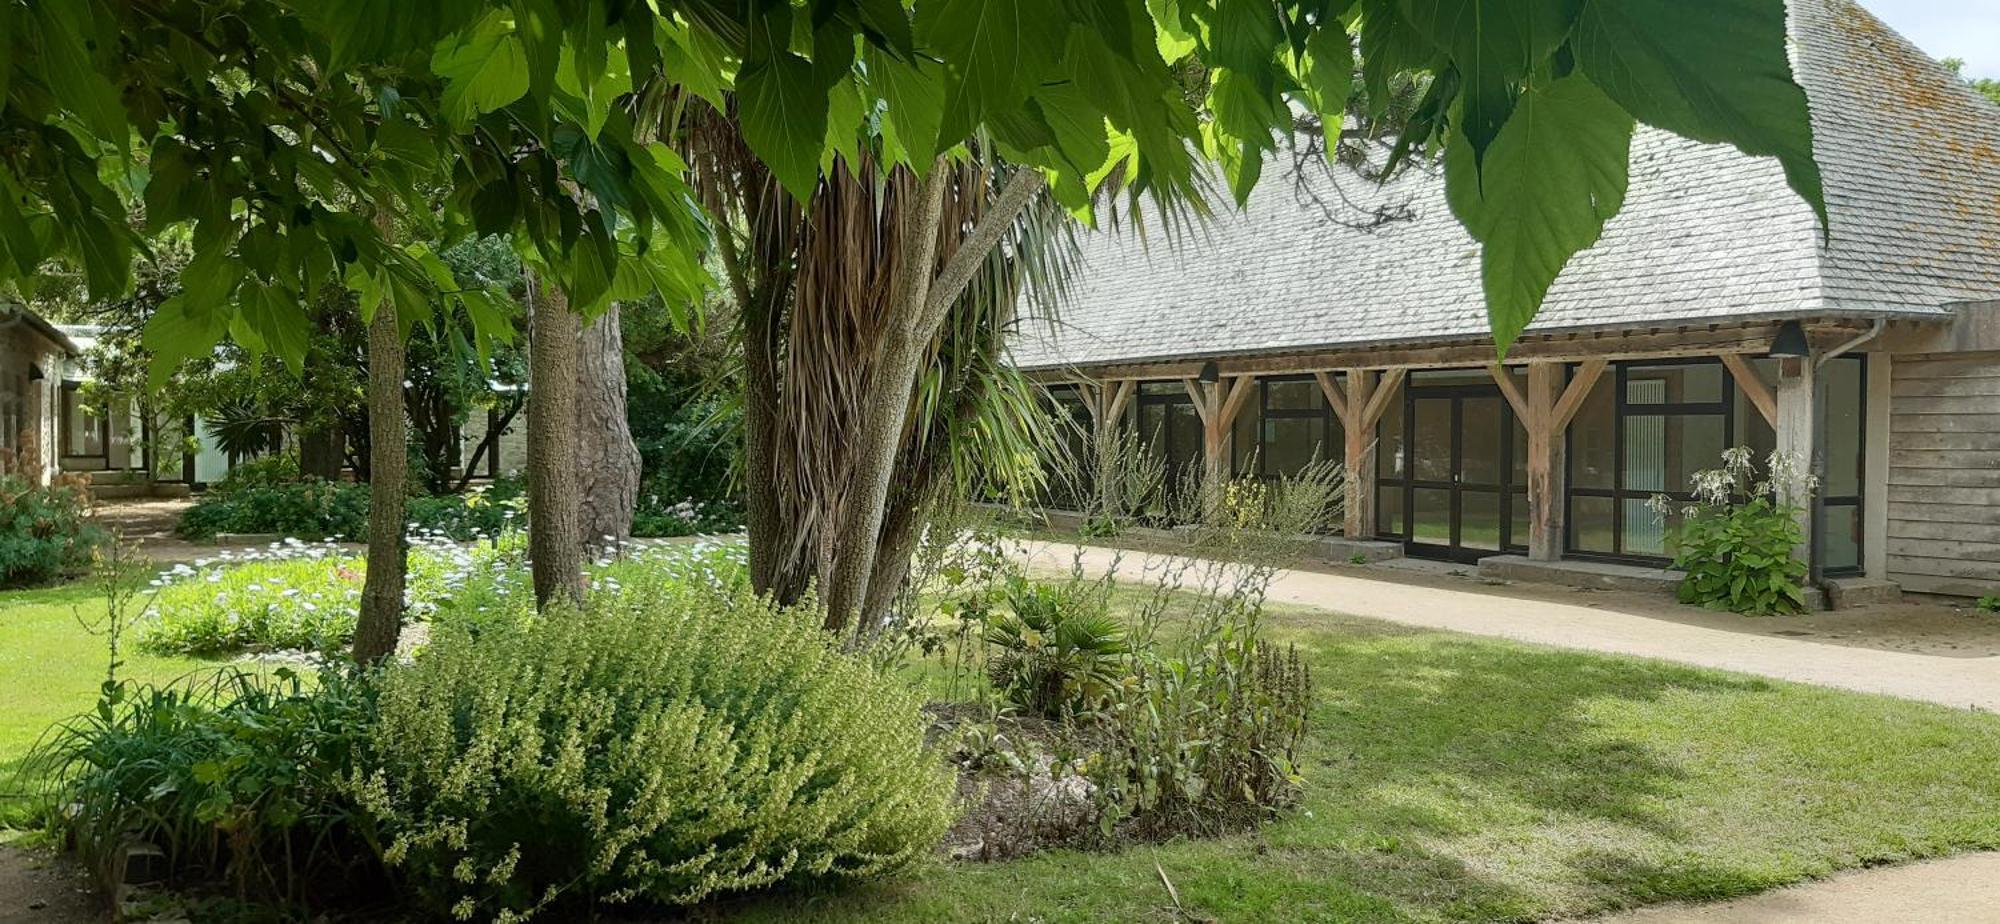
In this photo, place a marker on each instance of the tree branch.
(951, 281)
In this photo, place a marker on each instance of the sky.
(1968, 29)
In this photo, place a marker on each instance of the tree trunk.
(321, 450)
(879, 434)
(381, 617)
(607, 459)
(555, 538)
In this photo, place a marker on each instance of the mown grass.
(1448, 778)
(51, 666)
(1459, 779)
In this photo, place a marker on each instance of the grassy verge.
(1449, 779)
(1461, 779)
(51, 666)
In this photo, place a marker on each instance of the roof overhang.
(1740, 334)
(12, 311)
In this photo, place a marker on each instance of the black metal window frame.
(1407, 484)
(1266, 415)
(1856, 501)
(1166, 399)
(1619, 493)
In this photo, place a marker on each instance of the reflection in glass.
(1430, 520)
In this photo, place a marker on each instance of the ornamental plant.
(668, 743)
(44, 531)
(1735, 539)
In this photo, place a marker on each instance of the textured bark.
(555, 537)
(607, 460)
(381, 617)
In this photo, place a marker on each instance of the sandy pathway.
(1603, 627)
(1959, 890)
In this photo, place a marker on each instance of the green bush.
(1735, 541)
(670, 743)
(235, 777)
(656, 519)
(309, 509)
(482, 512)
(1206, 732)
(1057, 649)
(44, 532)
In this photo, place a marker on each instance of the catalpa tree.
(294, 134)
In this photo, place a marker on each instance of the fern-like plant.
(1058, 649)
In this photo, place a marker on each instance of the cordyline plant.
(297, 136)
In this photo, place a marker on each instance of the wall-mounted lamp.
(1790, 343)
(34, 373)
(1210, 373)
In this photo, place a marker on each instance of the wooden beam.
(1359, 457)
(1650, 343)
(1334, 396)
(1511, 389)
(1379, 401)
(1753, 387)
(1545, 463)
(1198, 391)
(1239, 392)
(1574, 396)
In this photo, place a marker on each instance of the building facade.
(1339, 317)
(32, 354)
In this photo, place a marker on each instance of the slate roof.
(1909, 155)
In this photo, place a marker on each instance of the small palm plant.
(1058, 650)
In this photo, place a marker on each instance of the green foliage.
(234, 776)
(1736, 542)
(1990, 603)
(44, 532)
(310, 509)
(262, 601)
(546, 121)
(670, 743)
(1057, 650)
(1208, 729)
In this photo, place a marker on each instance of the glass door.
(1459, 490)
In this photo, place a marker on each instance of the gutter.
(1873, 332)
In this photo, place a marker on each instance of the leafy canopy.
(290, 135)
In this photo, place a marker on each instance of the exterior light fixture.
(1210, 373)
(35, 374)
(1790, 343)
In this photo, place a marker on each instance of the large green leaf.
(914, 91)
(1495, 44)
(65, 37)
(995, 53)
(782, 106)
(484, 70)
(1242, 35)
(1713, 71)
(1326, 70)
(1554, 175)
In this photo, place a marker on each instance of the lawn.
(51, 666)
(1449, 778)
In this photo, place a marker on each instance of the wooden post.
(1796, 426)
(1217, 404)
(1545, 463)
(1359, 514)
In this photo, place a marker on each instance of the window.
(1648, 427)
(1295, 426)
(84, 433)
(1067, 476)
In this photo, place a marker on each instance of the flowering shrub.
(668, 743)
(44, 533)
(295, 595)
(655, 518)
(1735, 540)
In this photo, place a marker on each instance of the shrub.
(656, 519)
(669, 743)
(44, 532)
(1208, 728)
(234, 777)
(484, 511)
(1735, 540)
(310, 509)
(1989, 603)
(1057, 649)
